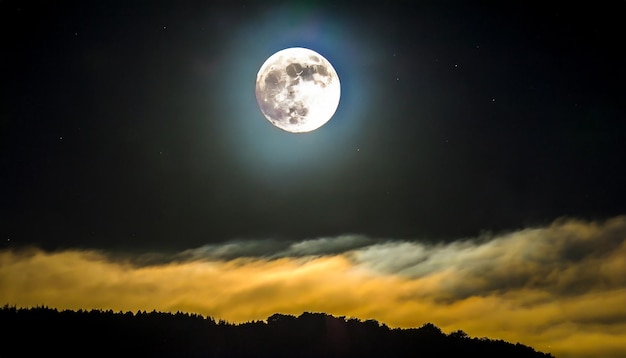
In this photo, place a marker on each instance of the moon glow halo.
(297, 90)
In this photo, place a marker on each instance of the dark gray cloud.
(274, 249)
(327, 246)
(568, 257)
(235, 249)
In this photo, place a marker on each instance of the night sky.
(132, 127)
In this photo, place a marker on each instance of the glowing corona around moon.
(297, 90)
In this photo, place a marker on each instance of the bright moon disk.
(297, 90)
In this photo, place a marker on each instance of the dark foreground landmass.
(47, 332)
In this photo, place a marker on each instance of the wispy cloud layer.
(566, 258)
(559, 288)
(273, 249)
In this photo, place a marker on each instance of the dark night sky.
(134, 124)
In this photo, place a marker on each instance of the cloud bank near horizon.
(559, 288)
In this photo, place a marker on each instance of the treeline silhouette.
(43, 331)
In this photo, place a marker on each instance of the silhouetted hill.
(47, 332)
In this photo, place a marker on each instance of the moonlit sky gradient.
(472, 175)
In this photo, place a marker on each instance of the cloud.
(558, 288)
(235, 249)
(272, 249)
(565, 258)
(327, 246)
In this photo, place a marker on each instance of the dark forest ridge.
(42, 330)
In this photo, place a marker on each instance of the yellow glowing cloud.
(559, 289)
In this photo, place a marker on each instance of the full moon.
(297, 90)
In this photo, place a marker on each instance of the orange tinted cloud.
(559, 288)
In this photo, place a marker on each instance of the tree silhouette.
(43, 331)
